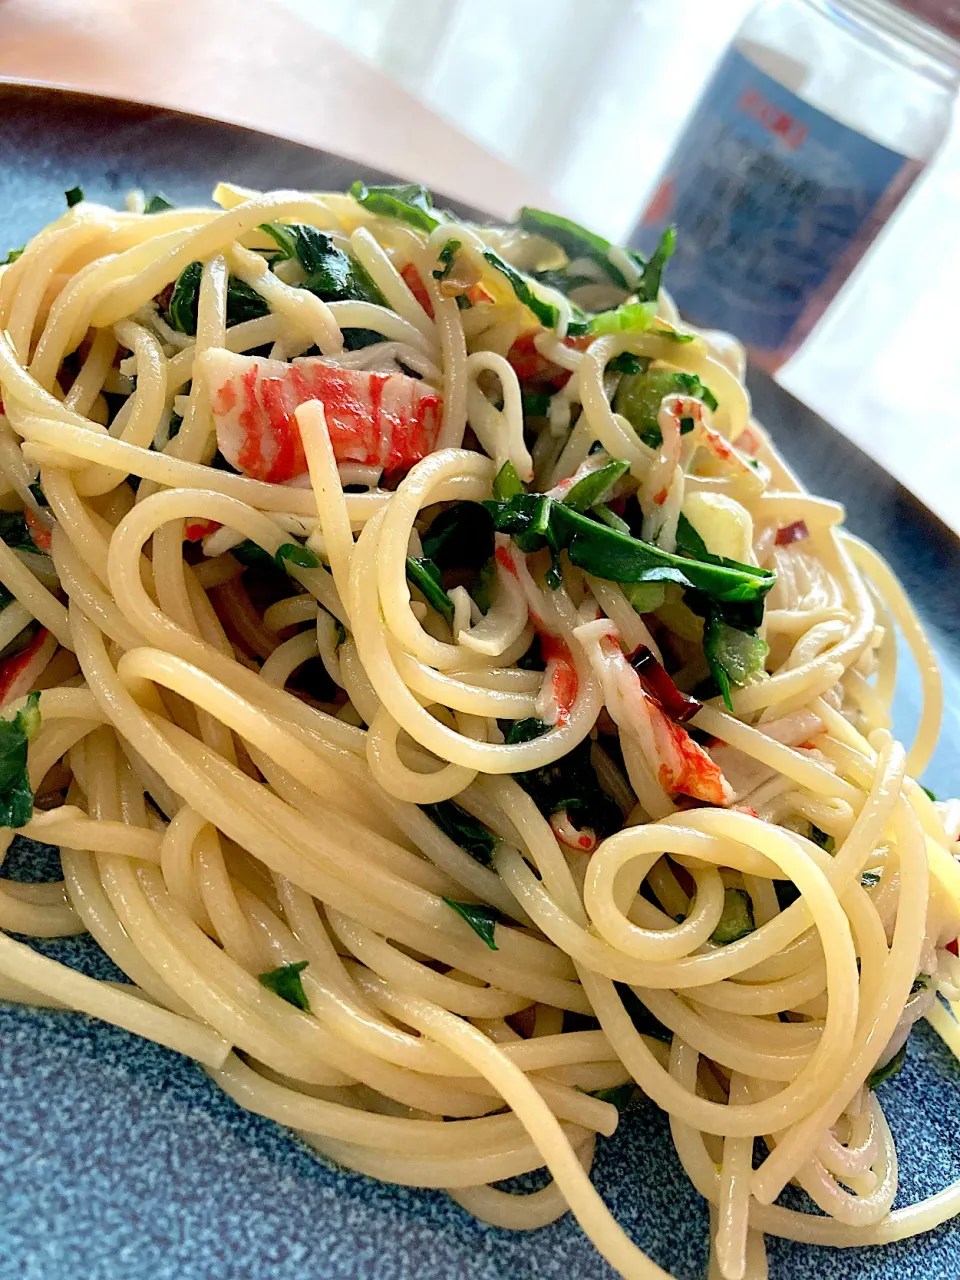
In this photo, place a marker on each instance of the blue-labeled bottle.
(819, 119)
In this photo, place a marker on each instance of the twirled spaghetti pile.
(454, 711)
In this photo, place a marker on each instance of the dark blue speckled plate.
(121, 1161)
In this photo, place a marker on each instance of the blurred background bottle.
(817, 122)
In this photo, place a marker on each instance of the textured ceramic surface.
(122, 1161)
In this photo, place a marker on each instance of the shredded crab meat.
(583, 839)
(18, 673)
(679, 764)
(561, 684)
(386, 420)
(40, 532)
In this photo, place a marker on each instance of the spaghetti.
(453, 714)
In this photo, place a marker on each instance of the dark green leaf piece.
(16, 796)
(574, 240)
(445, 258)
(425, 575)
(14, 531)
(286, 983)
(546, 312)
(303, 557)
(507, 484)
(158, 203)
(641, 1017)
(535, 521)
(463, 829)
(410, 203)
(649, 285)
(330, 273)
(732, 655)
(620, 1096)
(639, 399)
(736, 920)
(595, 487)
(252, 555)
(461, 537)
(891, 1068)
(826, 842)
(481, 919)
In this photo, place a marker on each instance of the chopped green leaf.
(446, 256)
(928, 793)
(16, 796)
(296, 554)
(182, 311)
(355, 339)
(629, 317)
(645, 597)
(14, 531)
(522, 286)
(73, 196)
(13, 255)
(252, 555)
(649, 287)
(671, 335)
(425, 575)
(410, 203)
(732, 655)
(481, 919)
(463, 829)
(736, 921)
(826, 842)
(330, 273)
(641, 1017)
(564, 280)
(507, 483)
(870, 879)
(568, 784)
(286, 983)
(626, 362)
(689, 541)
(595, 486)
(486, 581)
(620, 1096)
(574, 240)
(38, 493)
(536, 404)
(243, 302)
(525, 730)
(461, 537)
(157, 204)
(891, 1068)
(535, 521)
(27, 718)
(639, 399)
(287, 239)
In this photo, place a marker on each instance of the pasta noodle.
(453, 715)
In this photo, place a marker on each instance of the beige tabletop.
(252, 63)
